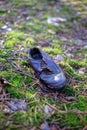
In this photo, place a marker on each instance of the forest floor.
(60, 29)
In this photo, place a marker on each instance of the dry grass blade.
(68, 111)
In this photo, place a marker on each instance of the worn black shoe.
(46, 70)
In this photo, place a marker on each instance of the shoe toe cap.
(55, 81)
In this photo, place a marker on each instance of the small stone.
(48, 110)
(85, 47)
(21, 105)
(8, 111)
(17, 106)
(69, 55)
(9, 29)
(7, 23)
(64, 39)
(55, 21)
(5, 27)
(78, 13)
(1, 42)
(61, 19)
(78, 41)
(58, 58)
(28, 18)
(81, 71)
(11, 105)
(45, 126)
(70, 98)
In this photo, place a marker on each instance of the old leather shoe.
(46, 70)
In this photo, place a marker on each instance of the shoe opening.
(35, 53)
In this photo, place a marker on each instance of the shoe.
(49, 74)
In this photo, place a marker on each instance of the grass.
(15, 47)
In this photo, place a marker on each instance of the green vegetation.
(31, 29)
(14, 38)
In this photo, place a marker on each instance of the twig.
(34, 83)
(33, 102)
(66, 112)
(20, 126)
(10, 99)
(24, 73)
(19, 71)
(85, 128)
(72, 128)
(5, 82)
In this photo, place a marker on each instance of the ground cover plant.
(60, 29)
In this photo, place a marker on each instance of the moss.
(18, 3)
(76, 64)
(53, 52)
(2, 11)
(14, 38)
(53, 27)
(73, 120)
(66, 10)
(1, 24)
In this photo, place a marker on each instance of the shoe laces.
(43, 64)
(45, 67)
